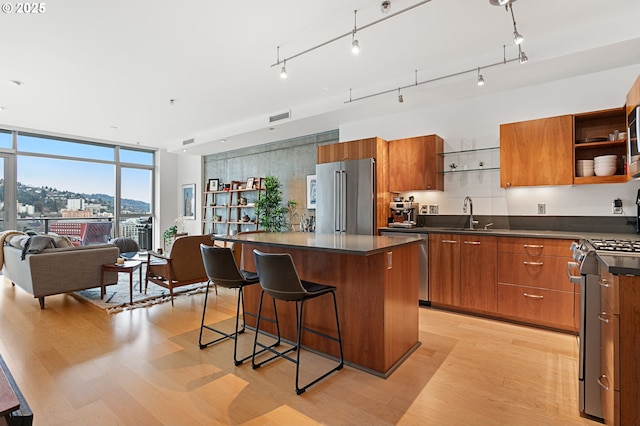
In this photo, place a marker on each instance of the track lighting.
(385, 7)
(355, 46)
(480, 78)
(523, 58)
(501, 2)
(400, 97)
(283, 72)
(517, 37)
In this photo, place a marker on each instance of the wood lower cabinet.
(620, 348)
(537, 152)
(532, 284)
(444, 269)
(416, 164)
(478, 273)
(462, 271)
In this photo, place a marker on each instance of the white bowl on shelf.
(605, 171)
(606, 157)
(587, 171)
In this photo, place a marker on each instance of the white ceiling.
(106, 70)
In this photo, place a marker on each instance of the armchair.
(182, 266)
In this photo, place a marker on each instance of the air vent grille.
(281, 116)
(188, 141)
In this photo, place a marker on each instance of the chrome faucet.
(468, 201)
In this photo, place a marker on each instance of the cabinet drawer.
(542, 272)
(535, 246)
(609, 285)
(550, 308)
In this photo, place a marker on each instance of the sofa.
(56, 270)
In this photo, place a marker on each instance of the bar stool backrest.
(278, 276)
(220, 266)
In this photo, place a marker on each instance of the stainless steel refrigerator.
(346, 197)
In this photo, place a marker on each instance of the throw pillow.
(61, 241)
(17, 241)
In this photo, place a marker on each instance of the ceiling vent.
(279, 117)
(188, 141)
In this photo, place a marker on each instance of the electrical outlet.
(433, 209)
(542, 208)
(424, 209)
(617, 206)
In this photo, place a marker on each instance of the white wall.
(177, 170)
(474, 123)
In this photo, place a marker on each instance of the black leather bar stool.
(222, 270)
(280, 280)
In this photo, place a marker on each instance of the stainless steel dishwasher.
(423, 263)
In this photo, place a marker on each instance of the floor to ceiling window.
(61, 184)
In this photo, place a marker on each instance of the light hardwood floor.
(77, 365)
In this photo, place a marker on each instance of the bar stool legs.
(238, 331)
(297, 346)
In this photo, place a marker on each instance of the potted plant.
(270, 212)
(168, 236)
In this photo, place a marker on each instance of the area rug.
(116, 298)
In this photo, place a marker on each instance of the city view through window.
(61, 185)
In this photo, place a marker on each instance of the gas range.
(617, 247)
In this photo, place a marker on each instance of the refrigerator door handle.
(343, 201)
(336, 196)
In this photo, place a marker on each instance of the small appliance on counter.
(403, 212)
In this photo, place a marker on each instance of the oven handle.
(574, 279)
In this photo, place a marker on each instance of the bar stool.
(280, 280)
(222, 270)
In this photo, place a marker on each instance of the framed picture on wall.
(189, 201)
(311, 191)
(250, 182)
(213, 185)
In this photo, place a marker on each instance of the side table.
(128, 267)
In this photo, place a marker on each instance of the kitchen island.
(376, 280)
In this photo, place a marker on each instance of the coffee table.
(127, 267)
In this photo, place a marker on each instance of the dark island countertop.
(363, 245)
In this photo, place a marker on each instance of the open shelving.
(232, 209)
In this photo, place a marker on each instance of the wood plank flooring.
(77, 365)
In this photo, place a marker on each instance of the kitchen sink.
(469, 229)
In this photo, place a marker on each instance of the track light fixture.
(355, 46)
(283, 71)
(480, 78)
(501, 2)
(386, 5)
(523, 58)
(517, 37)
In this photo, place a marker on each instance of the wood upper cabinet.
(478, 273)
(416, 164)
(633, 97)
(444, 269)
(537, 152)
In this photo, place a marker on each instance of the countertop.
(362, 245)
(617, 265)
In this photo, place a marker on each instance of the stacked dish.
(584, 167)
(605, 165)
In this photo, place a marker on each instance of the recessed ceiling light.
(223, 140)
(17, 82)
(184, 150)
(1, 108)
(113, 127)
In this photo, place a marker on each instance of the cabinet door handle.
(533, 263)
(602, 316)
(533, 296)
(603, 377)
(603, 283)
(475, 243)
(532, 246)
(450, 241)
